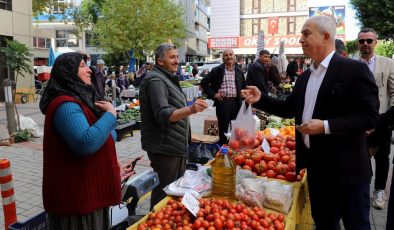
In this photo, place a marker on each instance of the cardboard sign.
(191, 203)
(266, 146)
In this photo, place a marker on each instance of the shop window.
(6, 5)
(67, 38)
(43, 43)
(291, 6)
(256, 6)
(291, 25)
(256, 26)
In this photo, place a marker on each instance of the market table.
(191, 92)
(129, 93)
(123, 129)
(293, 218)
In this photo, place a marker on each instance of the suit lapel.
(377, 67)
(328, 80)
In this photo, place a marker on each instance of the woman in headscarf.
(81, 178)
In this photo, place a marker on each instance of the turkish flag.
(273, 25)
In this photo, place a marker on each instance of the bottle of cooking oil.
(223, 175)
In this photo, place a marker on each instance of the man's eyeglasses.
(362, 41)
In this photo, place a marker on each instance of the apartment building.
(16, 24)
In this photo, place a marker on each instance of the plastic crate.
(38, 222)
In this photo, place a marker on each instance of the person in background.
(383, 71)
(334, 103)
(98, 73)
(146, 67)
(113, 82)
(292, 68)
(79, 149)
(195, 70)
(257, 72)
(385, 124)
(223, 84)
(165, 126)
(340, 48)
(122, 83)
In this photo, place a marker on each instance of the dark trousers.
(382, 160)
(226, 110)
(390, 208)
(329, 203)
(169, 169)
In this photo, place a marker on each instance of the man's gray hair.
(325, 24)
(162, 48)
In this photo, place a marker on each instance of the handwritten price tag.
(274, 132)
(265, 146)
(191, 203)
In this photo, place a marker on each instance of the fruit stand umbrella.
(51, 59)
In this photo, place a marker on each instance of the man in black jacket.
(165, 126)
(334, 103)
(258, 72)
(223, 85)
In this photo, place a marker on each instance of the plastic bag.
(26, 123)
(251, 192)
(197, 181)
(243, 131)
(201, 153)
(278, 196)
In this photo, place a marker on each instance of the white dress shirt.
(371, 63)
(312, 89)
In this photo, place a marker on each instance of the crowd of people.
(342, 109)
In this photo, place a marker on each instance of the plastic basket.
(38, 222)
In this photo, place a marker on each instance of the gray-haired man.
(165, 127)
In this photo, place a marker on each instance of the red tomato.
(285, 159)
(271, 174)
(234, 144)
(230, 224)
(274, 149)
(280, 217)
(239, 159)
(247, 167)
(291, 176)
(256, 158)
(249, 163)
(218, 223)
(292, 166)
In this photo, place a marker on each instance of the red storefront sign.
(251, 41)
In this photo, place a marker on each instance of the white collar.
(325, 62)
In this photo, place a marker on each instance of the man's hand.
(219, 96)
(312, 127)
(198, 106)
(369, 132)
(105, 106)
(251, 94)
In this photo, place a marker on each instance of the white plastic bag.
(251, 192)
(26, 123)
(278, 196)
(198, 181)
(243, 129)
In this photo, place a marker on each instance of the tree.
(138, 25)
(376, 14)
(385, 48)
(17, 57)
(351, 47)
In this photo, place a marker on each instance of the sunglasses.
(362, 41)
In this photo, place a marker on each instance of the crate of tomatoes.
(214, 213)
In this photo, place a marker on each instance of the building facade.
(237, 23)
(16, 24)
(195, 47)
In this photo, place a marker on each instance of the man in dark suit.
(261, 71)
(223, 84)
(334, 103)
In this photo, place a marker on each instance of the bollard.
(7, 193)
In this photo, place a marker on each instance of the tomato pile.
(279, 163)
(241, 139)
(214, 214)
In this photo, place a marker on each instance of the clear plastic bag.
(278, 196)
(198, 181)
(243, 131)
(251, 192)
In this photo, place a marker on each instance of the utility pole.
(9, 106)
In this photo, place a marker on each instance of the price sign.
(274, 132)
(265, 146)
(191, 203)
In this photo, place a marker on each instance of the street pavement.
(26, 165)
